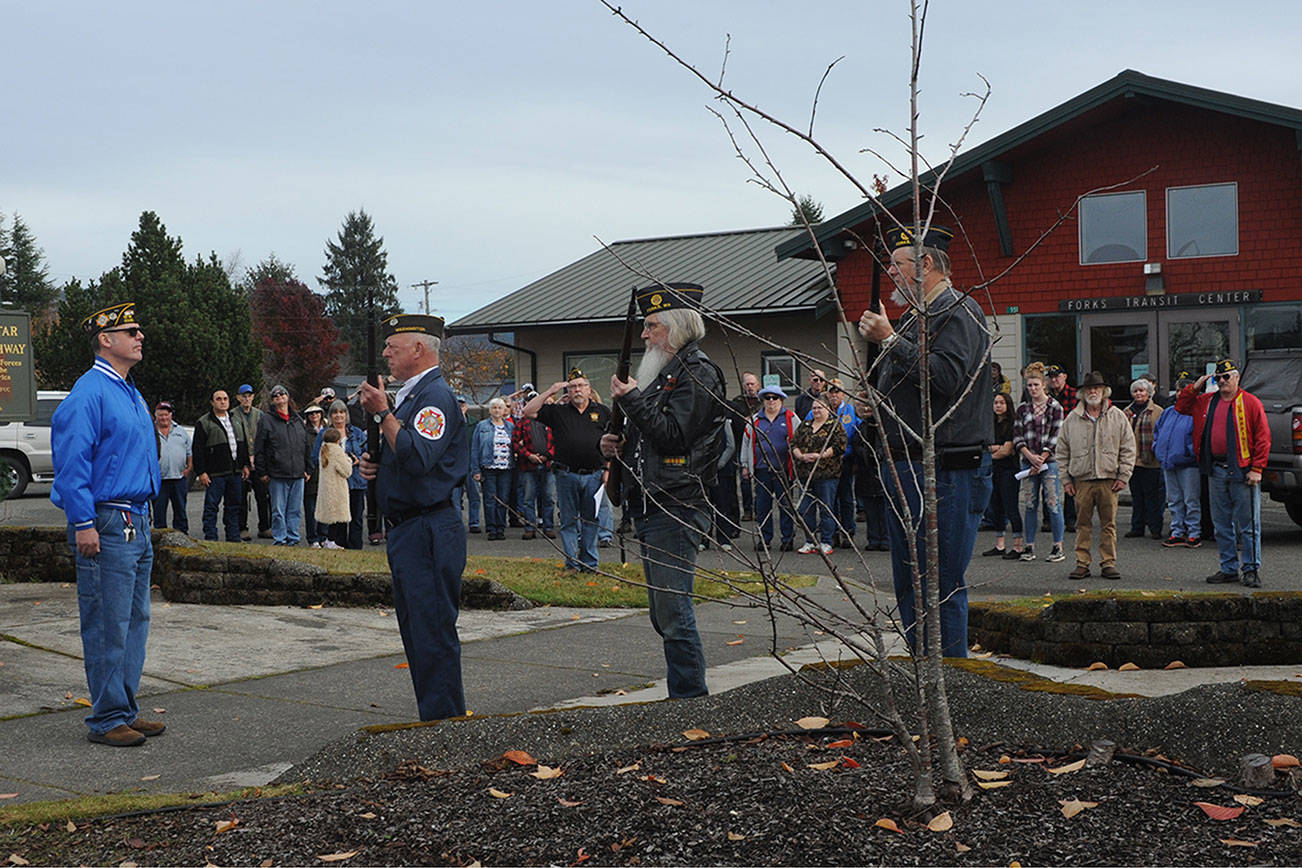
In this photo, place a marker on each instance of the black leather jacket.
(676, 434)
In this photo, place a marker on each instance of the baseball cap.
(244, 390)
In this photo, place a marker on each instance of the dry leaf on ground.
(1095, 666)
(338, 857)
(15, 859)
(498, 794)
(695, 734)
(1285, 821)
(993, 785)
(1250, 801)
(1070, 767)
(1176, 664)
(71, 827)
(151, 777)
(1127, 667)
(1207, 782)
(1235, 842)
(941, 822)
(1220, 812)
(889, 825)
(369, 815)
(665, 800)
(984, 775)
(546, 773)
(734, 642)
(1284, 761)
(520, 758)
(733, 836)
(566, 803)
(226, 825)
(822, 767)
(1072, 807)
(80, 701)
(626, 769)
(8, 795)
(812, 722)
(840, 743)
(400, 666)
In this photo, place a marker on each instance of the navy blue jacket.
(429, 457)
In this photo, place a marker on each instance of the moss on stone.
(1283, 688)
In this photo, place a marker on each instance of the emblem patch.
(593, 416)
(656, 299)
(430, 423)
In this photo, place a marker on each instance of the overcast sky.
(492, 141)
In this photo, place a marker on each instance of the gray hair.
(338, 405)
(494, 402)
(684, 324)
(939, 259)
(430, 342)
(1142, 383)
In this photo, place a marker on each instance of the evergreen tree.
(806, 208)
(300, 344)
(270, 269)
(198, 332)
(355, 263)
(25, 285)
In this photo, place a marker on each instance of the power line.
(426, 284)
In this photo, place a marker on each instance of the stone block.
(1060, 631)
(1153, 610)
(1272, 652)
(1115, 632)
(1214, 654)
(1081, 654)
(1218, 607)
(1184, 633)
(1085, 609)
(1147, 656)
(1230, 631)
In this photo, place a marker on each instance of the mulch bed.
(754, 799)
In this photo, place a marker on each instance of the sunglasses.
(772, 398)
(1221, 378)
(817, 380)
(129, 331)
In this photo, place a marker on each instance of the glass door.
(1194, 340)
(1120, 347)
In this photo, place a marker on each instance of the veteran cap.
(1226, 366)
(575, 374)
(418, 323)
(937, 237)
(110, 317)
(669, 296)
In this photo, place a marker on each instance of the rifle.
(372, 376)
(615, 477)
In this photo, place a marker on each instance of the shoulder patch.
(430, 422)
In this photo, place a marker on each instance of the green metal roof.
(1127, 84)
(738, 270)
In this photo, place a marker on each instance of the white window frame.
(1170, 254)
(1080, 232)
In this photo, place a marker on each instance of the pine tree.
(806, 208)
(356, 263)
(25, 285)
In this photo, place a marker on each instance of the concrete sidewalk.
(249, 691)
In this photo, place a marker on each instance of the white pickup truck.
(25, 446)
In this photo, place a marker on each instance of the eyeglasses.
(817, 380)
(772, 398)
(1221, 378)
(129, 331)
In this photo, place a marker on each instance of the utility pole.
(425, 284)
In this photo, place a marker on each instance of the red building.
(1185, 247)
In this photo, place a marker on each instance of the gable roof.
(1126, 85)
(737, 269)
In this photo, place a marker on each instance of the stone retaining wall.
(1197, 629)
(186, 573)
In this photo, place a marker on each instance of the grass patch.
(542, 580)
(89, 807)
(1030, 681)
(1283, 688)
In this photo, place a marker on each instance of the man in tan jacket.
(1096, 455)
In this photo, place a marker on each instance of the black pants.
(263, 501)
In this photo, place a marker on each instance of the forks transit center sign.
(1157, 302)
(17, 375)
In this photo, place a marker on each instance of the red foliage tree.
(301, 346)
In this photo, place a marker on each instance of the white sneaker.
(1028, 554)
(727, 547)
(825, 548)
(1056, 555)
(807, 549)
(331, 544)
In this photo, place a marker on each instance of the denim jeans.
(817, 509)
(1182, 499)
(538, 499)
(228, 492)
(669, 544)
(113, 600)
(496, 488)
(173, 492)
(961, 496)
(578, 517)
(1043, 485)
(1236, 513)
(768, 488)
(286, 497)
(1146, 498)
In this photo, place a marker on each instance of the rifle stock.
(615, 476)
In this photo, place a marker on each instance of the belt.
(393, 519)
(141, 508)
(951, 457)
(565, 468)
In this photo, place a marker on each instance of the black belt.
(565, 468)
(393, 519)
(951, 457)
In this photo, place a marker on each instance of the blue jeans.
(228, 492)
(578, 532)
(496, 487)
(1236, 512)
(669, 544)
(1044, 485)
(538, 499)
(286, 509)
(173, 492)
(961, 497)
(471, 492)
(768, 488)
(843, 498)
(817, 509)
(113, 600)
(1183, 500)
(427, 555)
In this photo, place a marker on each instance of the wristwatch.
(380, 417)
(889, 341)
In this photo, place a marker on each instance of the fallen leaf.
(1127, 667)
(961, 847)
(888, 824)
(785, 767)
(983, 774)
(1284, 761)
(1250, 801)
(1005, 759)
(81, 701)
(481, 572)
(1072, 807)
(849, 763)
(338, 857)
(1207, 782)
(160, 711)
(812, 722)
(653, 779)
(400, 666)
(369, 815)
(266, 863)
(664, 800)
(695, 734)
(626, 769)
(1284, 821)
(735, 642)
(15, 859)
(498, 794)
(993, 785)
(580, 857)
(1235, 842)
(520, 758)
(8, 795)
(1070, 767)
(941, 823)
(317, 606)
(1096, 665)
(566, 803)
(733, 836)
(739, 622)
(825, 766)
(842, 743)
(226, 825)
(151, 777)
(546, 773)
(1220, 812)
(1175, 664)
(71, 827)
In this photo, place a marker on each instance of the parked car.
(1275, 377)
(25, 454)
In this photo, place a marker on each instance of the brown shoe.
(119, 736)
(1110, 573)
(1081, 572)
(149, 728)
(528, 535)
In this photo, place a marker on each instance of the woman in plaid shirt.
(1035, 437)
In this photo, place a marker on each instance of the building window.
(598, 367)
(782, 366)
(1202, 221)
(1114, 228)
(1052, 340)
(1274, 327)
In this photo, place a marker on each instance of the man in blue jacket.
(106, 474)
(1173, 445)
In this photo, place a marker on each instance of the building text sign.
(1155, 302)
(17, 375)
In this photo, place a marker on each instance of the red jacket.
(1248, 423)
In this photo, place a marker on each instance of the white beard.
(1093, 400)
(653, 361)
